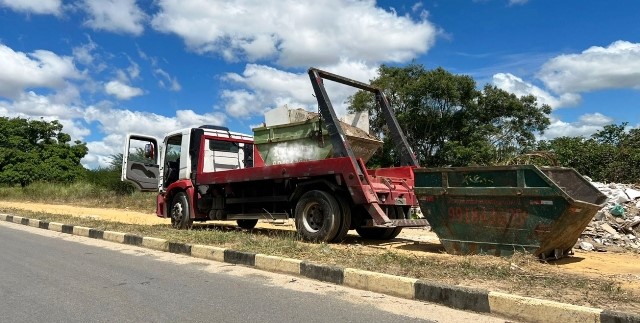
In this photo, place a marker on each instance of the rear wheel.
(394, 212)
(180, 212)
(346, 219)
(317, 216)
(247, 224)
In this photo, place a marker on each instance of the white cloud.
(41, 68)
(519, 87)
(267, 87)
(586, 125)
(597, 68)
(120, 16)
(122, 91)
(295, 33)
(166, 81)
(113, 123)
(30, 105)
(116, 123)
(133, 70)
(41, 7)
(517, 2)
(83, 54)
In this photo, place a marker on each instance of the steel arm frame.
(341, 147)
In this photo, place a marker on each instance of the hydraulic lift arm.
(407, 158)
(337, 136)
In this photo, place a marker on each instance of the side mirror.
(149, 151)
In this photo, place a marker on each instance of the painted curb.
(132, 239)
(239, 257)
(208, 252)
(608, 316)
(478, 300)
(179, 247)
(380, 283)
(325, 273)
(54, 226)
(81, 231)
(463, 298)
(34, 223)
(278, 264)
(155, 243)
(529, 309)
(113, 236)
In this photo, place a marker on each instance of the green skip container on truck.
(503, 209)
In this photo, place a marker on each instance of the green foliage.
(37, 150)
(448, 121)
(109, 177)
(610, 155)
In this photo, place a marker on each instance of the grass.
(80, 194)
(520, 274)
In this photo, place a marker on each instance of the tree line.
(447, 119)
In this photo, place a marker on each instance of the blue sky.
(108, 67)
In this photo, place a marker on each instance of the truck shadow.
(351, 239)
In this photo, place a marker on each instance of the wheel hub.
(314, 217)
(177, 212)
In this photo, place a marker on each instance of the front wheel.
(180, 218)
(317, 216)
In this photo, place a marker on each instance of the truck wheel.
(345, 224)
(380, 233)
(180, 212)
(317, 216)
(247, 224)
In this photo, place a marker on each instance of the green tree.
(448, 121)
(612, 154)
(38, 150)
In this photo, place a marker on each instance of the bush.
(110, 180)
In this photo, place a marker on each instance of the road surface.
(53, 277)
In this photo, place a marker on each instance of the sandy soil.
(624, 267)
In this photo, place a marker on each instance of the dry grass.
(80, 194)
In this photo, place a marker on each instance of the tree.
(448, 121)
(610, 155)
(38, 150)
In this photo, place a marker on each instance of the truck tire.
(180, 212)
(381, 233)
(247, 224)
(345, 224)
(317, 216)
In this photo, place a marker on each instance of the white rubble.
(608, 227)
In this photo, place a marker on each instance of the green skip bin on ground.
(504, 209)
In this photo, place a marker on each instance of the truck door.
(140, 162)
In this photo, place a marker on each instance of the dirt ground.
(624, 266)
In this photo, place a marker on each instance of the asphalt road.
(53, 277)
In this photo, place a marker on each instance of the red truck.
(212, 173)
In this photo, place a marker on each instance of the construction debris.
(617, 224)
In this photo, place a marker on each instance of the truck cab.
(176, 160)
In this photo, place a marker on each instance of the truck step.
(259, 216)
(400, 223)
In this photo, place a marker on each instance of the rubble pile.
(617, 224)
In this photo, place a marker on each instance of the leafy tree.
(610, 155)
(448, 121)
(37, 150)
